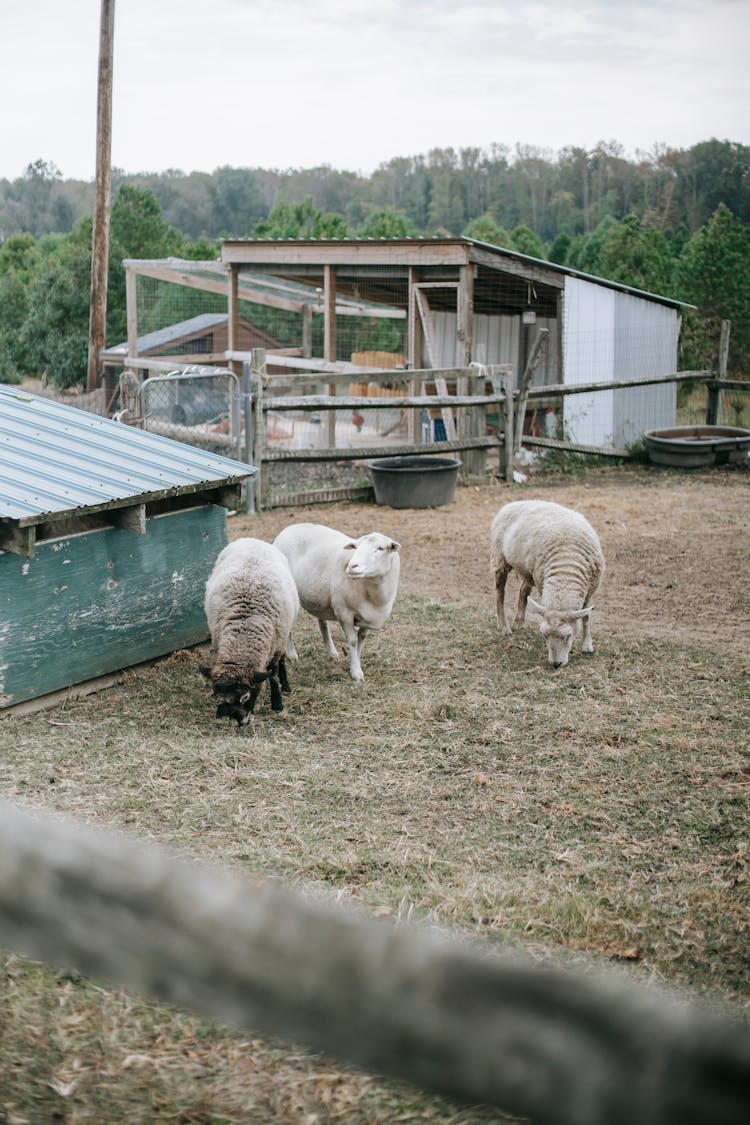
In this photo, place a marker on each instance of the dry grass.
(599, 811)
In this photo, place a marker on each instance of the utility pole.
(100, 235)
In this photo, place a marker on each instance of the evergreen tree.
(55, 331)
(19, 260)
(526, 242)
(388, 223)
(713, 272)
(301, 220)
(485, 229)
(636, 255)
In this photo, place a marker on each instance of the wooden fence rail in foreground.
(554, 1045)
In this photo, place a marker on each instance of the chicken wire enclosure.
(200, 408)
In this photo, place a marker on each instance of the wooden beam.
(129, 519)
(18, 540)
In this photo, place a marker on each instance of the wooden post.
(713, 411)
(307, 330)
(247, 431)
(508, 413)
(535, 354)
(233, 315)
(415, 352)
(100, 232)
(476, 1023)
(329, 344)
(259, 378)
(468, 420)
(131, 306)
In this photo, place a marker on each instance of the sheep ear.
(394, 546)
(581, 613)
(535, 605)
(349, 547)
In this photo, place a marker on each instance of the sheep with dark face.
(557, 550)
(251, 605)
(352, 581)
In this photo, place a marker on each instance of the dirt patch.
(676, 545)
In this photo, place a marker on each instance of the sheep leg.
(283, 678)
(277, 703)
(354, 639)
(327, 640)
(587, 645)
(523, 597)
(501, 577)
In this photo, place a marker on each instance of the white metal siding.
(589, 353)
(610, 335)
(646, 336)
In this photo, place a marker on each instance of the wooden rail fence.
(562, 1047)
(406, 392)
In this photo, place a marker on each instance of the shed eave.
(130, 501)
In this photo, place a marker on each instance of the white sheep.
(352, 581)
(251, 605)
(557, 550)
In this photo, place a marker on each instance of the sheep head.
(373, 555)
(237, 689)
(558, 627)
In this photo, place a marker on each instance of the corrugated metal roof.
(162, 337)
(55, 458)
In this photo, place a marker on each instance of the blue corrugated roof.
(55, 458)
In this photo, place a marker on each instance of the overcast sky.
(353, 83)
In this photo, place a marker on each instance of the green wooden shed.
(107, 537)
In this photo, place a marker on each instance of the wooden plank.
(361, 492)
(350, 402)
(572, 447)
(487, 441)
(562, 389)
(91, 604)
(410, 252)
(506, 263)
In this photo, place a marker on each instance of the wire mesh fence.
(201, 408)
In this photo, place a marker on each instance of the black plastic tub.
(690, 447)
(414, 482)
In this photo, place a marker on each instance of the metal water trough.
(691, 447)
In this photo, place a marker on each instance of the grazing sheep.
(352, 581)
(251, 605)
(557, 550)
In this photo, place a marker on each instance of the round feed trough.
(690, 447)
(414, 482)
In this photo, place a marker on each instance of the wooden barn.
(107, 537)
(462, 301)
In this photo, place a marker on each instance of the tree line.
(675, 223)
